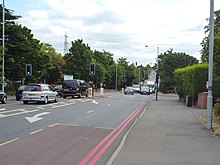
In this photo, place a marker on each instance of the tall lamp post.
(211, 43)
(116, 76)
(157, 74)
(3, 46)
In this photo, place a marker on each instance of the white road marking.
(34, 132)
(90, 111)
(19, 113)
(37, 117)
(95, 102)
(2, 144)
(2, 109)
(108, 104)
(62, 105)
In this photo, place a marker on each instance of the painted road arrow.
(37, 117)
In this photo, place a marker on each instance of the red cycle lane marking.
(91, 154)
(102, 151)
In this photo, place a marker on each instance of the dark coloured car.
(3, 97)
(19, 92)
(74, 88)
(58, 88)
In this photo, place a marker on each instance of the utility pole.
(65, 43)
(211, 43)
(3, 46)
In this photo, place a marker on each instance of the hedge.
(191, 80)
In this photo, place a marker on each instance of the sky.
(121, 27)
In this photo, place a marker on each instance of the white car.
(39, 93)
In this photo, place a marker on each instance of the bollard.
(122, 90)
(90, 92)
(101, 91)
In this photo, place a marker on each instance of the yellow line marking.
(2, 144)
(53, 125)
(34, 132)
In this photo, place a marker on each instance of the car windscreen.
(32, 88)
(70, 84)
(21, 87)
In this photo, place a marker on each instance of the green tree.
(21, 48)
(52, 72)
(168, 62)
(78, 60)
(216, 52)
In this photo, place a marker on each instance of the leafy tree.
(53, 70)
(168, 62)
(78, 60)
(104, 67)
(216, 52)
(21, 49)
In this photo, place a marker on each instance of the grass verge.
(215, 123)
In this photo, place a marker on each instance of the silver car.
(39, 93)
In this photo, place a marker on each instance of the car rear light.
(41, 88)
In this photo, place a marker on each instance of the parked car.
(58, 88)
(145, 90)
(129, 90)
(74, 88)
(3, 97)
(34, 92)
(19, 92)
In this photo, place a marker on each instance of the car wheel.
(25, 102)
(80, 95)
(45, 100)
(18, 99)
(4, 100)
(64, 97)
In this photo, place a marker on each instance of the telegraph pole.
(211, 43)
(3, 46)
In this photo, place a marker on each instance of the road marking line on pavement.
(19, 113)
(70, 125)
(2, 144)
(90, 111)
(34, 132)
(93, 156)
(62, 105)
(22, 109)
(2, 109)
(104, 128)
(108, 104)
(53, 125)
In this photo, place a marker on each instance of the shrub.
(217, 108)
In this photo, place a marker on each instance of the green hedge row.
(191, 80)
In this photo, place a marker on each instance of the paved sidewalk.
(169, 134)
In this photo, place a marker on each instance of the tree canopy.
(168, 62)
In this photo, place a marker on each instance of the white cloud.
(122, 27)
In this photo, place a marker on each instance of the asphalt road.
(71, 131)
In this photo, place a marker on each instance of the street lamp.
(211, 43)
(3, 45)
(158, 51)
(157, 74)
(116, 76)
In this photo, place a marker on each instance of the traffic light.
(157, 77)
(92, 69)
(28, 69)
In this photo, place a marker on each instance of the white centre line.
(2, 109)
(90, 111)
